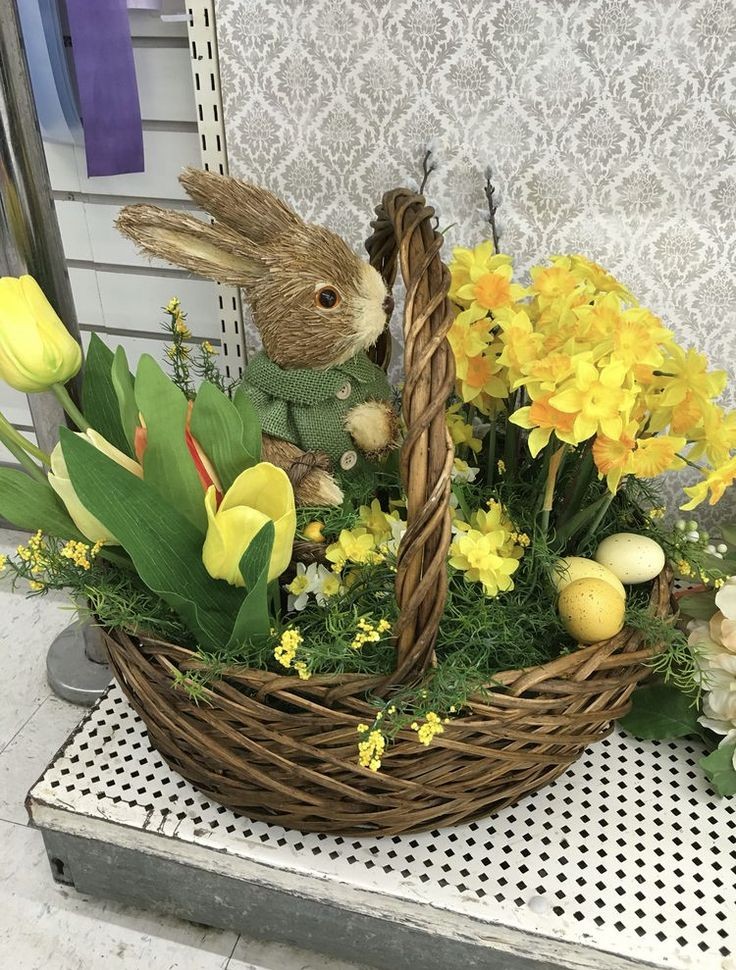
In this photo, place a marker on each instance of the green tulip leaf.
(253, 621)
(661, 712)
(31, 505)
(217, 426)
(99, 400)
(167, 465)
(166, 549)
(719, 769)
(122, 382)
(252, 428)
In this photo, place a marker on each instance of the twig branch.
(490, 190)
(427, 169)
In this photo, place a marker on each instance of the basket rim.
(622, 650)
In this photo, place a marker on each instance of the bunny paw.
(374, 428)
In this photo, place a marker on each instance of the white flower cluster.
(714, 646)
(314, 579)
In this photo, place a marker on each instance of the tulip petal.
(229, 534)
(87, 524)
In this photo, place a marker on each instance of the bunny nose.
(388, 305)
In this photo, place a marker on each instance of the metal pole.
(30, 242)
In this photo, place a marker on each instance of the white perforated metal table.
(627, 860)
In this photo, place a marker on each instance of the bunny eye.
(327, 297)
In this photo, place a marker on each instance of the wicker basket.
(284, 750)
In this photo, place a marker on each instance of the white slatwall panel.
(118, 293)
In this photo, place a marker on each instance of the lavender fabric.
(108, 92)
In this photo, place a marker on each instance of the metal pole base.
(76, 665)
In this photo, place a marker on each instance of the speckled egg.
(591, 610)
(570, 568)
(631, 557)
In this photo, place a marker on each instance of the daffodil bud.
(36, 349)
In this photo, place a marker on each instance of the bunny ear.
(256, 213)
(213, 251)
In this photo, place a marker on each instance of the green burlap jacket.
(308, 407)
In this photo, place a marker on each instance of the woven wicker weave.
(284, 750)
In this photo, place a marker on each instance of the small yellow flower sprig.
(433, 725)
(33, 552)
(80, 553)
(369, 632)
(178, 352)
(371, 748)
(286, 650)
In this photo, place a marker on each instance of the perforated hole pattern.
(629, 851)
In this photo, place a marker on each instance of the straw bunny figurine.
(323, 404)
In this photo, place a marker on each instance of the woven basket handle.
(403, 233)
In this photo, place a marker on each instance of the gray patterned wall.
(610, 125)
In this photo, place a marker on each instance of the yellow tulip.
(59, 480)
(257, 495)
(36, 349)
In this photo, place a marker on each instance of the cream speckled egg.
(591, 610)
(570, 568)
(633, 558)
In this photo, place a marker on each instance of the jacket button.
(344, 393)
(348, 460)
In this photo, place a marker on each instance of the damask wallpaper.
(609, 125)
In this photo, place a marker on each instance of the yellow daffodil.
(378, 522)
(546, 374)
(469, 334)
(552, 283)
(521, 345)
(612, 457)
(687, 370)
(469, 266)
(257, 495)
(715, 436)
(464, 261)
(656, 455)
(36, 349)
(597, 398)
(594, 274)
(481, 375)
(541, 418)
(59, 480)
(716, 481)
(476, 555)
(599, 320)
(353, 545)
(460, 431)
(639, 337)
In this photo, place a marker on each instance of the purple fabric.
(108, 92)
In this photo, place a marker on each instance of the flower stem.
(23, 458)
(9, 433)
(64, 399)
(549, 491)
(605, 504)
(583, 479)
(491, 454)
